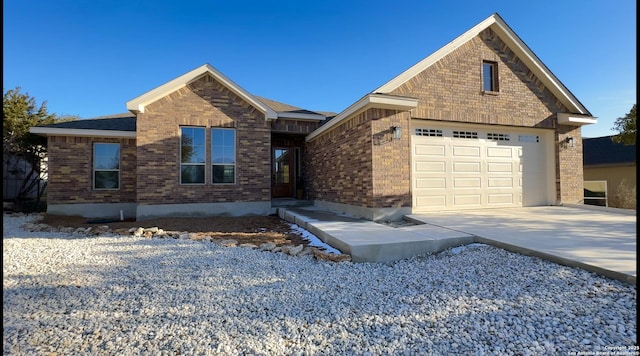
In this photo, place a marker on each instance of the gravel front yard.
(123, 295)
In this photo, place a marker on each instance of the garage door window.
(465, 134)
(429, 132)
(498, 137)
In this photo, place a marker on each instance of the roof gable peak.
(511, 39)
(137, 105)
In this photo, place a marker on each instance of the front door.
(282, 173)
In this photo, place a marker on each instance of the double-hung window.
(106, 166)
(489, 76)
(192, 155)
(223, 155)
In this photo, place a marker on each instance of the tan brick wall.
(391, 160)
(451, 90)
(339, 164)
(205, 103)
(71, 171)
(294, 126)
(570, 180)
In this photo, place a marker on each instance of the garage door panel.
(501, 152)
(500, 182)
(467, 182)
(495, 167)
(466, 167)
(466, 151)
(430, 150)
(433, 183)
(436, 201)
(500, 199)
(430, 167)
(467, 199)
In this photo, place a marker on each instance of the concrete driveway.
(599, 240)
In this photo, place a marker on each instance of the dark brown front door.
(282, 172)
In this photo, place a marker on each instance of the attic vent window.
(489, 76)
(465, 134)
(498, 137)
(429, 132)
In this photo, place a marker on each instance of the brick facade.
(451, 90)
(205, 103)
(70, 161)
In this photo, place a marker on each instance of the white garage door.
(462, 168)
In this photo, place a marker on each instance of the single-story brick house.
(480, 123)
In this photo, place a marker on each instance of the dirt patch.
(247, 229)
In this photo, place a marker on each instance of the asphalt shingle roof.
(118, 122)
(602, 150)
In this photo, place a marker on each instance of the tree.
(19, 113)
(626, 127)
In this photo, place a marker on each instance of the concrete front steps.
(367, 241)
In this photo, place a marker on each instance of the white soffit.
(497, 24)
(52, 131)
(138, 104)
(369, 101)
(575, 119)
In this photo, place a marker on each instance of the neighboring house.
(615, 163)
(481, 123)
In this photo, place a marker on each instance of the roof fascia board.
(515, 44)
(291, 115)
(575, 120)
(369, 101)
(138, 104)
(50, 131)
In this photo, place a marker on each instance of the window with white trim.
(106, 166)
(223, 155)
(465, 134)
(192, 155)
(429, 132)
(489, 76)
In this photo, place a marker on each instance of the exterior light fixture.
(570, 142)
(397, 132)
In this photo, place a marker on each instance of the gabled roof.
(369, 101)
(118, 125)
(138, 104)
(506, 34)
(293, 112)
(603, 151)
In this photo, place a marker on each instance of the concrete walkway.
(598, 240)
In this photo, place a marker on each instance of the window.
(465, 134)
(489, 76)
(498, 136)
(429, 132)
(223, 155)
(106, 166)
(528, 138)
(192, 155)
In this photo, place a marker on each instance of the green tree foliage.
(626, 126)
(20, 112)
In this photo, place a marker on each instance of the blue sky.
(88, 58)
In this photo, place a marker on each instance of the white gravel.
(116, 295)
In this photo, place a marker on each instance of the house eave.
(575, 119)
(297, 116)
(369, 101)
(137, 105)
(50, 131)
